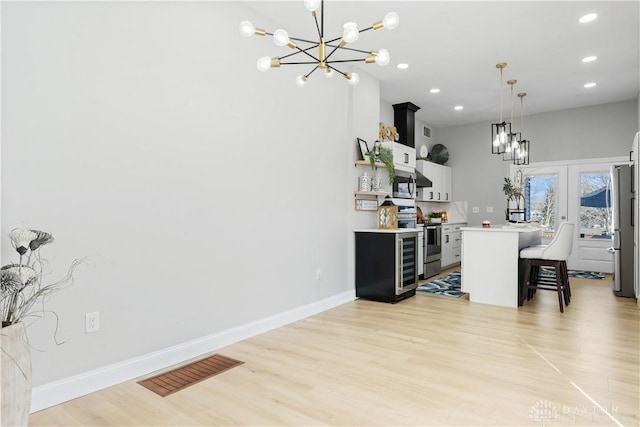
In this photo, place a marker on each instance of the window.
(540, 200)
(595, 205)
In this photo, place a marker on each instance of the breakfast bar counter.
(491, 267)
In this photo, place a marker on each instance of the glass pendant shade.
(500, 137)
(513, 142)
(521, 154)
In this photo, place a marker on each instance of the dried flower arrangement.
(21, 283)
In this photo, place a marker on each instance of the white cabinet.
(451, 244)
(404, 157)
(440, 177)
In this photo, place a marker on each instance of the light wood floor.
(428, 360)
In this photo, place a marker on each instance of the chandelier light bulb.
(264, 63)
(301, 80)
(247, 29)
(503, 134)
(329, 73)
(281, 37)
(350, 33)
(496, 141)
(354, 79)
(312, 5)
(383, 58)
(391, 21)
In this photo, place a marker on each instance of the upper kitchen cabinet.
(440, 176)
(404, 158)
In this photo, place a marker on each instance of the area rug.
(577, 273)
(448, 285)
(184, 376)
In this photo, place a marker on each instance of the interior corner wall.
(141, 135)
(598, 131)
(638, 109)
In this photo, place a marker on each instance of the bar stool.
(553, 255)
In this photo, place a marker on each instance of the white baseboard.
(56, 392)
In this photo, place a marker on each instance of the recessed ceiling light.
(589, 58)
(458, 107)
(434, 90)
(589, 85)
(588, 18)
(403, 66)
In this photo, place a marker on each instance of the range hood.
(404, 121)
(422, 181)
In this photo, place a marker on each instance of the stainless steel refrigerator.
(622, 198)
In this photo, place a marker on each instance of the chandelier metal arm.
(302, 51)
(351, 49)
(299, 63)
(347, 60)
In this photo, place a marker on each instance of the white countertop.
(504, 228)
(394, 231)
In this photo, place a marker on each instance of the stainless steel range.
(432, 250)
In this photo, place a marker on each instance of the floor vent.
(175, 380)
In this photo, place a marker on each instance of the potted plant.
(21, 289)
(435, 217)
(383, 154)
(514, 193)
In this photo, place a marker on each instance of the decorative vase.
(376, 183)
(15, 377)
(365, 183)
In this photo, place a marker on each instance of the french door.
(574, 191)
(545, 194)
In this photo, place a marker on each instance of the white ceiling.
(455, 45)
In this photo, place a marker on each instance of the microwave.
(404, 187)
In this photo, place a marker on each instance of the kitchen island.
(491, 266)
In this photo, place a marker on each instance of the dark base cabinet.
(386, 265)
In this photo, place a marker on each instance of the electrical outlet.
(92, 322)
(475, 209)
(489, 209)
(318, 273)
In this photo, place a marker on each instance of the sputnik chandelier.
(322, 57)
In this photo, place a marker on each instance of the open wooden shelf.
(370, 193)
(368, 163)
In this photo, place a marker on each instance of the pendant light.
(500, 131)
(513, 138)
(521, 153)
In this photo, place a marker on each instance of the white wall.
(206, 193)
